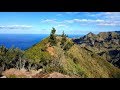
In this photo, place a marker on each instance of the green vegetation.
(52, 38)
(63, 39)
(92, 64)
(68, 45)
(10, 58)
(37, 55)
(60, 54)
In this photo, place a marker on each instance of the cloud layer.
(100, 19)
(16, 27)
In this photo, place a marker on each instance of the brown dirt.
(51, 50)
(20, 73)
(51, 75)
(32, 74)
(57, 75)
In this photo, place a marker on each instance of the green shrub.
(68, 45)
(63, 41)
(115, 74)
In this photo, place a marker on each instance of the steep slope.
(37, 56)
(75, 61)
(105, 44)
(92, 64)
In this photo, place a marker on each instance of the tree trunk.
(3, 66)
(20, 63)
(29, 67)
(17, 65)
(23, 66)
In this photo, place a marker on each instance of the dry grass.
(15, 73)
(93, 65)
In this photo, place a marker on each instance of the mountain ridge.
(105, 44)
(92, 56)
(78, 61)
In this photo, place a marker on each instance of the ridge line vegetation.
(58, 53)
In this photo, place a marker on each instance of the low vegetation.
(59, 54)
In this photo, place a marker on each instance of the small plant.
(68, 45)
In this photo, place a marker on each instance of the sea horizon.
(25, 41)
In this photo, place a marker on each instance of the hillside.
(70, 59)
(57, 56)
(105, 44)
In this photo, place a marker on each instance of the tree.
(52, 38)
(53, 31)
(18, 58)
(3, 57)
(63, 39)
(63, 34)
(10, 58)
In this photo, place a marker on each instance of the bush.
(75, 60)
(116, 75)
(68, 46)
(10, 57)
(54, 65)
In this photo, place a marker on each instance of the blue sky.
(69, 22)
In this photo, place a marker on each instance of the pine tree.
(52, 38)
(63, 39)
(63, 34)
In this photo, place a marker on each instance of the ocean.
(24, 41)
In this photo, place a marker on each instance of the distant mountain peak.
(90, 34)
(117, 32)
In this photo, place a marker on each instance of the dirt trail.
(20, 73)
(14, 73)
(57, 75)
(51, 50)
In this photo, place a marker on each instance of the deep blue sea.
(24, 41)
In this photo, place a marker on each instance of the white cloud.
(83, 21)
(61, 25)
(112, 15)
(68, 21)
(94, 14)
(100, 22)
(88, 20)
(110, 23)
(107, 24)
(59, 14)
(110, 18)
(101, 19)
(71, 21)
(49, 21)
(106, 15)
(16, 27)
